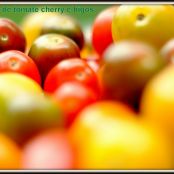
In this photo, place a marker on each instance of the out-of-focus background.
(84, 13)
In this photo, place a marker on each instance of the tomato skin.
(16, 61)
(71, 70)
(11, 37)
(73, 102)
(141, 22)
(28, 114)
(101, 32)
(49, 150)
(65, 25)
(107, 135)
(11, 154)
(32, 24)
(127, 67)
(50, 49)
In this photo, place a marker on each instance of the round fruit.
(10, 156)
(101, 31)
(127, 67)
(107, 136)
(28, 114)
(12, 84)
(142, 22)
(16, 61)
(32, 24)
(65, 25)
(11, 36)
(49, 49)
(73, 102)
(71, 70)
(48, 150)
(167, 51)
(157, 103)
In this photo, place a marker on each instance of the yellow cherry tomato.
(150, 23)
(157, 104)
(107, 135)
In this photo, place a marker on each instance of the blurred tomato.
(32, 24)
(72, 97)
(11, 36)
(148, 23)
(10, 156)
(50, 49)
(157, 104)
(16, 61)
(106, 135)
(13, 84)
(27, 114)
(49, 150)
(127, 67)
(65, 25)
(101, 31)
(71, 70)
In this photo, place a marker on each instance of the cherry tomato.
(16, 61)
(11, 36)
(49, 150)
(157, 102)
(107, 135)
(149, 23)
(66, 25)
(73, 102)
(49, 49)
(101, 32)
(127, 67)
(71, 70)
(27, 114)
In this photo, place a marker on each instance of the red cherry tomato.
(11, 36)
(16, 61)
(72, 97)
(101, 32)
(49, 150)
(71, 70)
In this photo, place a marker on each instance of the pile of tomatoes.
(67, 103)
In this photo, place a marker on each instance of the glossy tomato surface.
(50, 49)
(11, 36)
(149, 23)
(71, 70)
(16, 61)
(32, 24)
